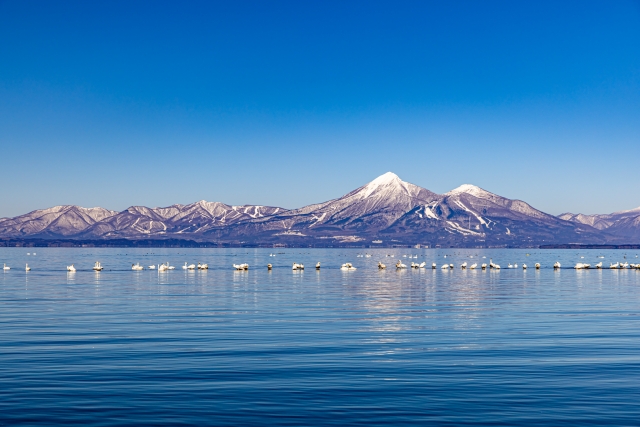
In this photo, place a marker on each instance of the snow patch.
(478, 217)
(318, 219)
(428, 211)
(461, 230)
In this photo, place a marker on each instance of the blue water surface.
(328, 347)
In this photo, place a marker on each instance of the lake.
(328, 347)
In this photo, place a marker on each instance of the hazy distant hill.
(624, 224)
(386, 210)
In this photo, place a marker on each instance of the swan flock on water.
(97, 267)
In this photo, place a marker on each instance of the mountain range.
(387, 211)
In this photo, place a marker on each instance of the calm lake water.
(365, 347)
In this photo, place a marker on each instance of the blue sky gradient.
(289, 103)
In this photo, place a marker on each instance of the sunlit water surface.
(364, 347)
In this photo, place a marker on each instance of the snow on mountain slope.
(63, 220)
(479, 208)
(600, 222)
(627, 228)
(136, 221)
(376, 204)
(474, 199)
(386, 208)
(195, 218)
(399, 210)
(472, 213)
(624, 224)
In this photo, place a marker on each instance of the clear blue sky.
(116, 103)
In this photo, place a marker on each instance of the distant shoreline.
(581, 246)
(185, 243)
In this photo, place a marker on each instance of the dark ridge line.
(587, 246)
(111, 243)
(185, 243)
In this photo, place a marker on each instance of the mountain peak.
(468, 189)
(629, 211)
(385, 182)
(386, 178)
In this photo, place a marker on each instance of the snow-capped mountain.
(386, 210)
(192, 219)
(471, 214)
(56, 221)
(374, 205)
(597, 221)
(623, 224)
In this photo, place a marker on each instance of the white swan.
(524, 266)
(509, 266)
(97, 266)
(445, 266)
(381, 266)
(297, 266)
(188, 267)
(557, 265)
(451, 266)
(5, 268)
(241, 267)
(537, 266)
(473, 266)
(27, 268)
(347, 266)
(422, 264)
(599, 265)
(71, 268)
(152, 267)
(137, 267)
(400, 265)
(581, 266)
(463, 265)
(484, 266)
(318, 265)
(615, 266)
(203, 266)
